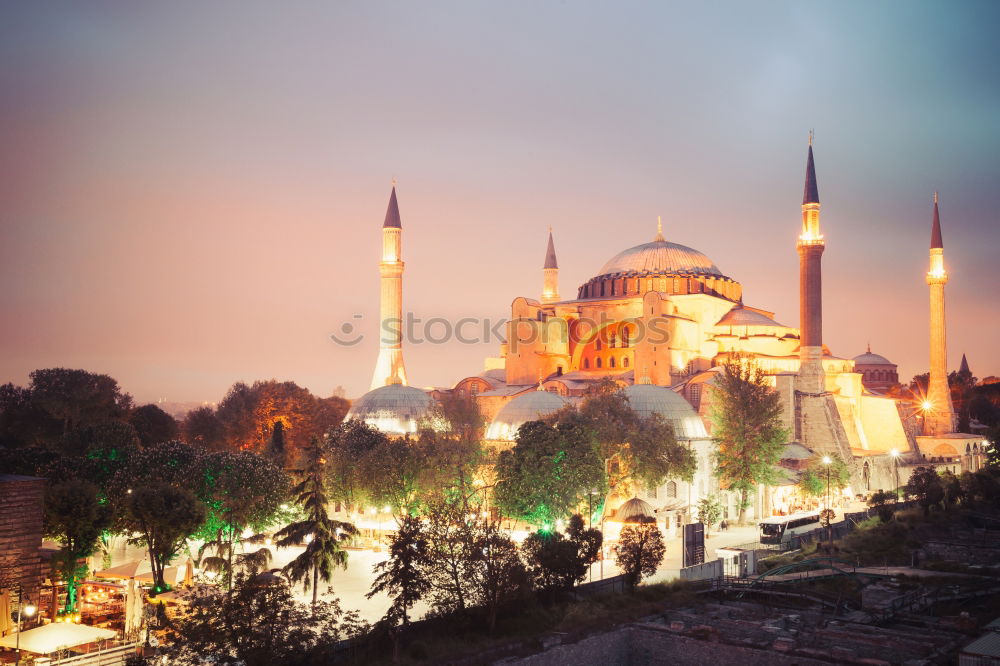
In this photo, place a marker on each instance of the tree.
(323, 536)
(814, 478)
(75, 517)
(951, 488)
(500, 575)
(347, 445)
(260, 623)
(75, 398)
(709, 511)
(925, 485)
(404, 574)
(746, 415)
(108, 434)
(640, 551)
(202, 428)
(153, 425)
(450, 534)
(276, 449)
(162, 516)
(548, 473)
(882, 501)
(558, 562)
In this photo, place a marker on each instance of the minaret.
(550, 286)
(810, 246)
(389, 368)
(939, 416)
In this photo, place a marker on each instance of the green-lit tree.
(814, 478)
(75, 517)
(324, 537)
(162, 516)
(746, 415)
(404, 575)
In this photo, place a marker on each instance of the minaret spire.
(810, 248)
(389, 368)
(939, 418)
(550, 273)
(659, 229)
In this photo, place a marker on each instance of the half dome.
(394, 409)
(529, 406)
(648, 399)
(660, 256)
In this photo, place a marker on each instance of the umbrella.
(189, 573)
(131, 621)
(169, 576)
(57, 636)
(127, 570)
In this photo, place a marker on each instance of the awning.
(57, 636)
(127, 570)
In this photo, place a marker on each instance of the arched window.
(598, 343)
(625, 334)
(611, 340)
(611, 362)
(586, 364)
(677, 285)
(474, 388)
(598, 362)
(671, 489)
(625, 362)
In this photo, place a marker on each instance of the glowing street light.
(926, 405)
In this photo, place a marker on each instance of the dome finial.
(659, 228)
(869, 348)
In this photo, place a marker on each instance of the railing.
(110, 657)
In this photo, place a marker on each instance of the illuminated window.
(625, 362)
(677, 285)
(611, 340)
(671, 489)
(598, 362)
(474, 388)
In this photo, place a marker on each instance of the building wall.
(21, 500)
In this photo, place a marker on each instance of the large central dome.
(660, 256)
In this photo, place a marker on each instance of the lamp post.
(895, 474)
(829, 523)
(23, 609)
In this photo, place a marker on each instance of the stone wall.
(21, 533)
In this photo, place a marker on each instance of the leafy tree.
(153, 425)
(76, 398)
(640, 551)
(814, 477)
(391, 473)
(709, 510)
(951, 488)
(979, 487)
(403, 575)
(558, 562)
(450, 534)
(882, 501)
(259, 624)
(202, 428)
(548, 473)
(162, 517)
(108, 434)
(499, 575)
(22, 422)
(746, 414)
(324, 536)
(75, 517)
(347, 445)
(925, 485)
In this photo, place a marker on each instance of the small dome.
(741, 316)
(529, 406)
(394, 409)
(660, 256)
(635, 510)
(868, 358)
(647, 399)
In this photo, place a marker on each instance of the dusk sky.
(191, 194)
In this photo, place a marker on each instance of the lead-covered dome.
(394, 409)
(870, 358)
(529, 406)
(658, 257)
(647, 399)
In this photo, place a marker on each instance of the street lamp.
(829, 522)
(895, 473)
(23, 610)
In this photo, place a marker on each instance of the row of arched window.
(599, 362)
(881, 375)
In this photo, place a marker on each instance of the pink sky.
(188, 202)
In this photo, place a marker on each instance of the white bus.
(779, 529)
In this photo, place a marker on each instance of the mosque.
(660, 319)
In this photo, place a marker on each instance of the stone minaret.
(550, 286)
(812, 378)
(389, 368)
(939, 417)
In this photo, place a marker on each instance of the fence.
(111, 657)
(704, 571)
(611, 585)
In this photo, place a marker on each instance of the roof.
(550, 254)
(795, 451)
(648, 399)
(741, 316)
(635, 510)
(394, 409)
(660, 256)
(56, 636)
(392, 212)
(988, 645)
(868, 358)
(811, 193)
(936, 240)
(529, 406)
